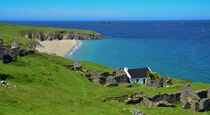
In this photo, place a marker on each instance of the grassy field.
(9, 31)
(45, 86)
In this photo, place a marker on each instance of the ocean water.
(180, 49)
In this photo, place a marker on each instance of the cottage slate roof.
(138, 73)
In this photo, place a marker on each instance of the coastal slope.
(42, 84)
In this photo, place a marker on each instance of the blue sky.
(104, 9)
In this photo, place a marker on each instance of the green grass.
(44, 86)
(9, 31)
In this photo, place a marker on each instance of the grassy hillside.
(45, 86)
(9, 31)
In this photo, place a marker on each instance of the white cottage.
(137, 75)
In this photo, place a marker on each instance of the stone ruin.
(9, 53)
(154, 80)
(104, 78)
(198, 101)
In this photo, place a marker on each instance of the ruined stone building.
(9, 53)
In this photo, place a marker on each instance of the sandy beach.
(58, 47)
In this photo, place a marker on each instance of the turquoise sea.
(180, 49)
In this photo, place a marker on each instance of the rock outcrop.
(77, 66)
(110, 81)
(136, 112)
(167, 80)
(188, 95)
(61, 35)
(9, 53)
(147, 101)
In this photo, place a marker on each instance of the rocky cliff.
(61, 35)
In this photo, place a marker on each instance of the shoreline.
(69, 54)
(57, 47)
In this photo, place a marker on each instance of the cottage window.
(137, 80)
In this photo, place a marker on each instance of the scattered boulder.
(77, 66)
(110, 81)
(146, 102)
(167, 80)
(15, 43)
(163, 103)
(119, 71)
(96, 80)
(86, 70)
(134, 99)
(94, 74)
(5, 84)
(136, 112)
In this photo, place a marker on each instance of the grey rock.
(162, 103)
(5, 84)
(110, 82)
(134, 99)
(120, 76)
(94, 74)
(77, 66)
(15, 43)
(96, 80)
(136, 111)
(146, 102)
(167, 79)
(188, 95)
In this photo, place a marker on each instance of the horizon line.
(113, 20)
